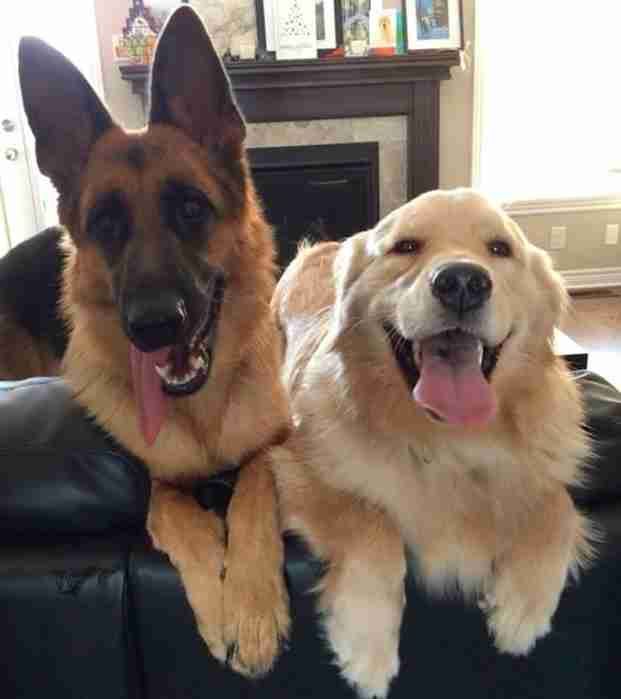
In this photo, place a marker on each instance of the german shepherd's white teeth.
(481, 353)
(165, 373)
(197, 363)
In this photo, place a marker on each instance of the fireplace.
(325, 192)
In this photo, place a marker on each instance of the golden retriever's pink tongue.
(152, 402)
(451, 382)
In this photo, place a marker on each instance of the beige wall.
(585, 231)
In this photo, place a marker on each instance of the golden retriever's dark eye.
(407, 247)
(500, 248)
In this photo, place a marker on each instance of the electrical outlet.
(558, 237)
(612, 234)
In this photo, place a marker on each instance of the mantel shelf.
(334, 72)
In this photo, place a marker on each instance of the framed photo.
(383, 28)
(434, 24)
(356, 26)
(295, 29)
(326, 24)
(329, 26)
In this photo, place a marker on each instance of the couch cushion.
(58, 471)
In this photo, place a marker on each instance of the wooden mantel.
(270, 91)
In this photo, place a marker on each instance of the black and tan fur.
(166, 210)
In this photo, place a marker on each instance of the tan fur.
(195, 135)
(485, 509)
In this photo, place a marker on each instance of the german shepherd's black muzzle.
(155, 319)
(175, 324)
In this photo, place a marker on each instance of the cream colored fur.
(483, 509)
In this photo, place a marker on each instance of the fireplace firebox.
(315, 193)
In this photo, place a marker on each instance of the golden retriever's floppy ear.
(550, 284)
(64, 113)
(189, 86)
(349, 264)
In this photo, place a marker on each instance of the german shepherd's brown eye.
(411, 246)
(109, 223)
(500, 248)
(105, 227)
(193, 211)
(186, 209)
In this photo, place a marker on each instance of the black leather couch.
(89, 610)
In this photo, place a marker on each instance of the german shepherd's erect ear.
(190, 88)
(64, 113)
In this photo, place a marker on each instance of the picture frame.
(326, 24)
(356, 17)
(295, 29)
(332, 33)
(434, 24)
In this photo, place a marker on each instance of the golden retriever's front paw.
(368, 658)
(256, 619)
(362, 619)
(516, 622)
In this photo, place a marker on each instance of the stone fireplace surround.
(392, 100)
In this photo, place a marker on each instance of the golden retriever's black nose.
(461, 286)
(153, 321)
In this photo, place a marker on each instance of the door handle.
(11, 154)
(7, 125)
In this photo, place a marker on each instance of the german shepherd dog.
(167, 284)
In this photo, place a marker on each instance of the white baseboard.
(600, 278)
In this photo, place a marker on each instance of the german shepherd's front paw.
(256, 616)
(193, 539)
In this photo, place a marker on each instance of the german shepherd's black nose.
(155, 320)
(461, 287)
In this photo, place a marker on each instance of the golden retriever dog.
(431, 416)
(173, 349)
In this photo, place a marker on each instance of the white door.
(27, 199)
(16, 186)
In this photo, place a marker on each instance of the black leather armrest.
(59, 473)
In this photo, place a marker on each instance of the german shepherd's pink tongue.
(451, 383)
(147, 385)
